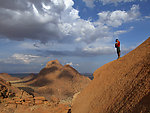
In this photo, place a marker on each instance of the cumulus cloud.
(57, 20)
(90, 32)
(37, 20)
(46, 20)
(118, 17)
(90, 3)
(101, 29)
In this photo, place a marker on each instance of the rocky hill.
(121, 86)
(57, 80)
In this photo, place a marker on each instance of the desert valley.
(121, 86)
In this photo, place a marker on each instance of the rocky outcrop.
(121, 86)
(13, 100)
(52, 63)
(12, 95)
(5, 89)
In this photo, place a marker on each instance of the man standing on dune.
(117, 45)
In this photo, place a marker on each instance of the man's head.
(116, 40)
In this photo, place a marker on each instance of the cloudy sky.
(81, 33)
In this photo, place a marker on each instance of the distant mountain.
(8, 77)
(90, 75)
(121, 86)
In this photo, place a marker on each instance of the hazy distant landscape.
(21, 75)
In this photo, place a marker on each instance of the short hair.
(116, 40)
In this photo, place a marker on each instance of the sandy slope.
(121, 86)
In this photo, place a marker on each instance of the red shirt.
(118, 43)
